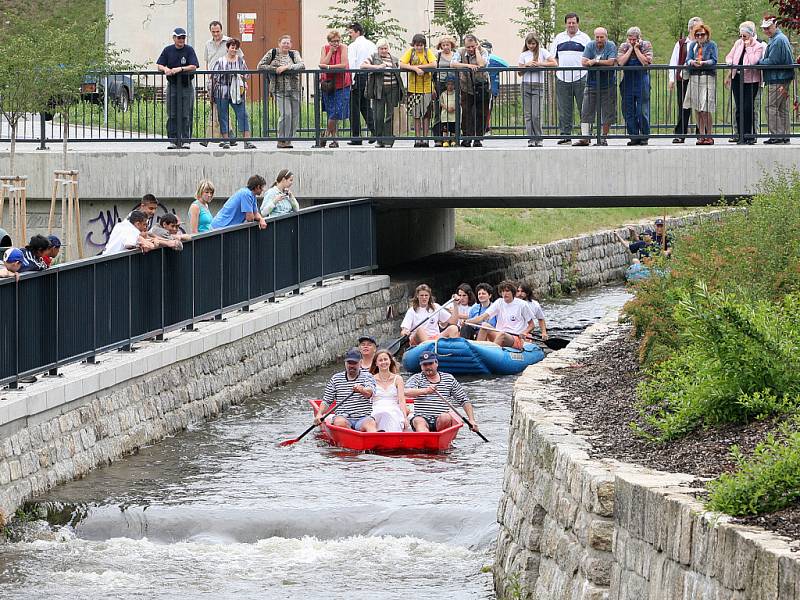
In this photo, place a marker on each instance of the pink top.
(752, 54)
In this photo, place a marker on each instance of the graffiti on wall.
(99, 228)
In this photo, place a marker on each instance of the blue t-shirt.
(234, 210)
(606, 78)
(476, 310)
(173, 57)
(494, 76)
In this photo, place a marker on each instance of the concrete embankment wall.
(579, 528)
(59, 429)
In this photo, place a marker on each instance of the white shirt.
(214, 51)
(569, 51)
(536, 310)
(513, 316)
(531, 76)
(123, 237)
(676, 52)
(359, 51)
(414, 318)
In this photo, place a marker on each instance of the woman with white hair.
(635, 86)
(385, 89)
(744, 83)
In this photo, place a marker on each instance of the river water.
(220, 511)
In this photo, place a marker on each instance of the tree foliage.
(373, 16)
(788, 13)
(459, 18)
(539, 16)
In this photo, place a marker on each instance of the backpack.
(274, 52)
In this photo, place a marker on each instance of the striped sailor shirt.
(340, 388)
(431, 405)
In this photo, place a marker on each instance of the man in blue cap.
(430, 389)
(179, 62)
(12, 263)
(352, 391)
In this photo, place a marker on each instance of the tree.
(788, 14)
(678, 20)
(368, 13)
(459, 18)
(615, 21)
(539, 16)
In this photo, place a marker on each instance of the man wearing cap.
(52, 252)
(778, 52)
(352, 391)
(179, 62)
(431, 412)
(12, 263)
(368, 347)
(652, 242)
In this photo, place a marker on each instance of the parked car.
(121, 90)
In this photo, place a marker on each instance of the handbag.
(327, 86)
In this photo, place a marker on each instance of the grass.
(482, 227)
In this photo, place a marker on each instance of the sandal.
(333, 144)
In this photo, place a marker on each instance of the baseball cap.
(179, 31)
(659, 221)
(14, 255)
(767, 22)
(367, 338)
(54, 241)
(353, 355)
(428, 357)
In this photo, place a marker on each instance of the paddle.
(460, 416)
(552, 343)
(307, 431)
(396, 344)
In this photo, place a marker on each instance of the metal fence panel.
(262, 262)
(361, 237)
(8, 333)
(286, 262)
(146, 297)
(75, 319)
(112, 302)
(336, 246)
(236, 267)
(38, 320)
(179, 274)
(208, 275)
(311, 250)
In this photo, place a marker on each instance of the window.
(438, 8)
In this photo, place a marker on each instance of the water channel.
(220, 511)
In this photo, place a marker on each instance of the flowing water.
(220, 511)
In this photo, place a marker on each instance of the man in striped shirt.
(430, 389)
(352, 391)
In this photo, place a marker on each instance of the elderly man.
(431, 412)
(778, 52)
(636, 52)
(678, 60)
(600, 52)
(352, 390)
(475, 90)
(214, 50)
(179, 62)
(568, 47)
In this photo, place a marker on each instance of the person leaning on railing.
(283, 66)
(199, 214)
(635, 86)
(279, 199)
(475, 89)
(744, 83)
(12, 263)
(229, 89)
(242, 206)
(678, 60)
(600, 52)
(533, 56)
(386, 91)
(214, 50)
(179, 62)
(335, 87)
(701, 96)
(128, 234)
(446, 55)
(421, 61)
(778, 52)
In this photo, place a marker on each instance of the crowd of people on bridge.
(360, 81)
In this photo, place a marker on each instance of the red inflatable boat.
(403, 441)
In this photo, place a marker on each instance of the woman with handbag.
(229, 91)
(335, 87)
(385, 89)
(701, 95)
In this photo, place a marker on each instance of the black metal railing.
(137, 109)
(77, 310)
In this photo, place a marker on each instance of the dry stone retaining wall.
(574, 527)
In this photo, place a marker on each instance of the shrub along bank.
(720, 338)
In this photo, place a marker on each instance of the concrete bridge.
(416, 189)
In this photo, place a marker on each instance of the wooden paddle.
(460, 416)
(393, 347)
(307, 431)
(552, 343)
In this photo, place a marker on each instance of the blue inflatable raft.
(457, 355)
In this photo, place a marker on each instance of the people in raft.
(525, 292)
(652, 243)
(484, 293)
(430, 388)
(463, 301)
(352, 390)
(515, 320)
(426, 313)
(389, 408)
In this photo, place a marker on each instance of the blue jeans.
(636, 107)
(355, 423)
(240, 110)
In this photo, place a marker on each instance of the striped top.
(339, 387)
(222, 82)
(431, 405)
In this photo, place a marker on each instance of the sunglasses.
(700, 34)
(181, 37)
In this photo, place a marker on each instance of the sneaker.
(354, 143)
(564, 141)
(678, 141)
(333, 144)
(225, 145)
(465, 144)
(204, 144)
(583, 142)
(477, 144)
(233, 143)
(249, 146)
(173, 146)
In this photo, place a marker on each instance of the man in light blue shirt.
(242, 206)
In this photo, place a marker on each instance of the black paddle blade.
(556, 343)
(394, 347)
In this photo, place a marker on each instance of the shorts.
(419, 105)
(432, 338)
(519, 343)
(355, 422)
(608, 105)
(431, 421)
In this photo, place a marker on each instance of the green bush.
(738, 360)
(766, 482)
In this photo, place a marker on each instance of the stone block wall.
(573, 527)
(57, 430)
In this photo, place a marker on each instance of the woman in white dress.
(389, 407)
